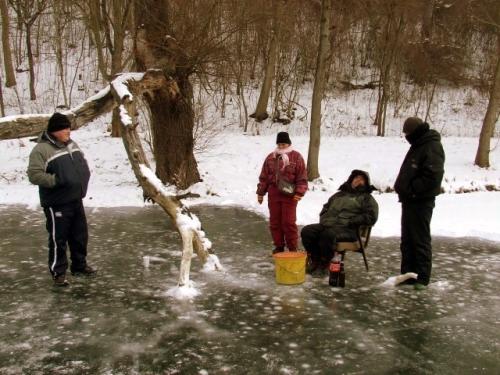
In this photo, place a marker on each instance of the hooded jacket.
(295, 172)
(349, 208)
(422, 170)
(60, 171)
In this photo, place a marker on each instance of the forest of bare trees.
(400, 49)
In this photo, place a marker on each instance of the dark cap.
(283, 137)
(58, 121)
(411, 124)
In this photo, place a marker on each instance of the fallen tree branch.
(19, 126)
(352, 86)
(120, 93)
(186, 223)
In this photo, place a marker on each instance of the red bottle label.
(334, 267)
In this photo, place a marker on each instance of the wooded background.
(401, 49)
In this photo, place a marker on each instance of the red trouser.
(282, 210)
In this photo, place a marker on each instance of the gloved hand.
(297, 197)
(260, 199)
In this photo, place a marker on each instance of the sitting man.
(352, 206)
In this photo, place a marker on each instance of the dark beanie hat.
(411, 124)
(283, 137)
(58, 121)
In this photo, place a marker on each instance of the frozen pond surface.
(121, 322)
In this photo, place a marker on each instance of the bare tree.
(121, 93)
(260, 113)
(318, 91)
(28, 12)
(10, 77)
(107, 20)
(393, 27)
(2, 105)
(59, 18)
(172, 115)
(483, 151)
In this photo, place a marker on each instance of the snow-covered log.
(19, 126)
(121, 92)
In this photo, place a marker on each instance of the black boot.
(60, 280)
(311, 265)
(86, 271)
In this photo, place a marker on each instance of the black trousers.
(319, 241)
(67, 225)
(416, 248)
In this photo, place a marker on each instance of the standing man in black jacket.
(418, 184)
(58, 167)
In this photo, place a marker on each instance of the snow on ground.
(230, 167)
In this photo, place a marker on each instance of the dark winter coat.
(60, 171)
(349, 208)
(422, 170)
(295, 172)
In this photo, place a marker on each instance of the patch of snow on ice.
(185, 292)
(396, 280)
(212, 264)
(441, 285)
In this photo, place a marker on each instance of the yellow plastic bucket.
(290, 267)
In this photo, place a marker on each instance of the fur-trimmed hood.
(368, 188)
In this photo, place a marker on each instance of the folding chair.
(358, 246)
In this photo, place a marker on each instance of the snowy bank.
(231, 166)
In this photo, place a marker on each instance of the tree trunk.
(31, 63)
(260, 113)
(384, 89)
(94, 24)
(10, 77)
(172, 115)
(119, 17)
(58, 17)
(173, 122)
(121, 93)
(429, 101)
(427, 20)
(109, 23)
(188, 225)
(115, 123)
(392, 35)
(2, 106)
(19, 39)
(385, 69)
(318, 91)
(483, 151)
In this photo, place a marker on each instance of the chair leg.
(364, 258)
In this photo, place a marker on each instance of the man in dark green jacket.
(58, 167)
(352, 206)
(418, 184)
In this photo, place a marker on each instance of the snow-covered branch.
(97, 105)
(121, 93)
(188, 225)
